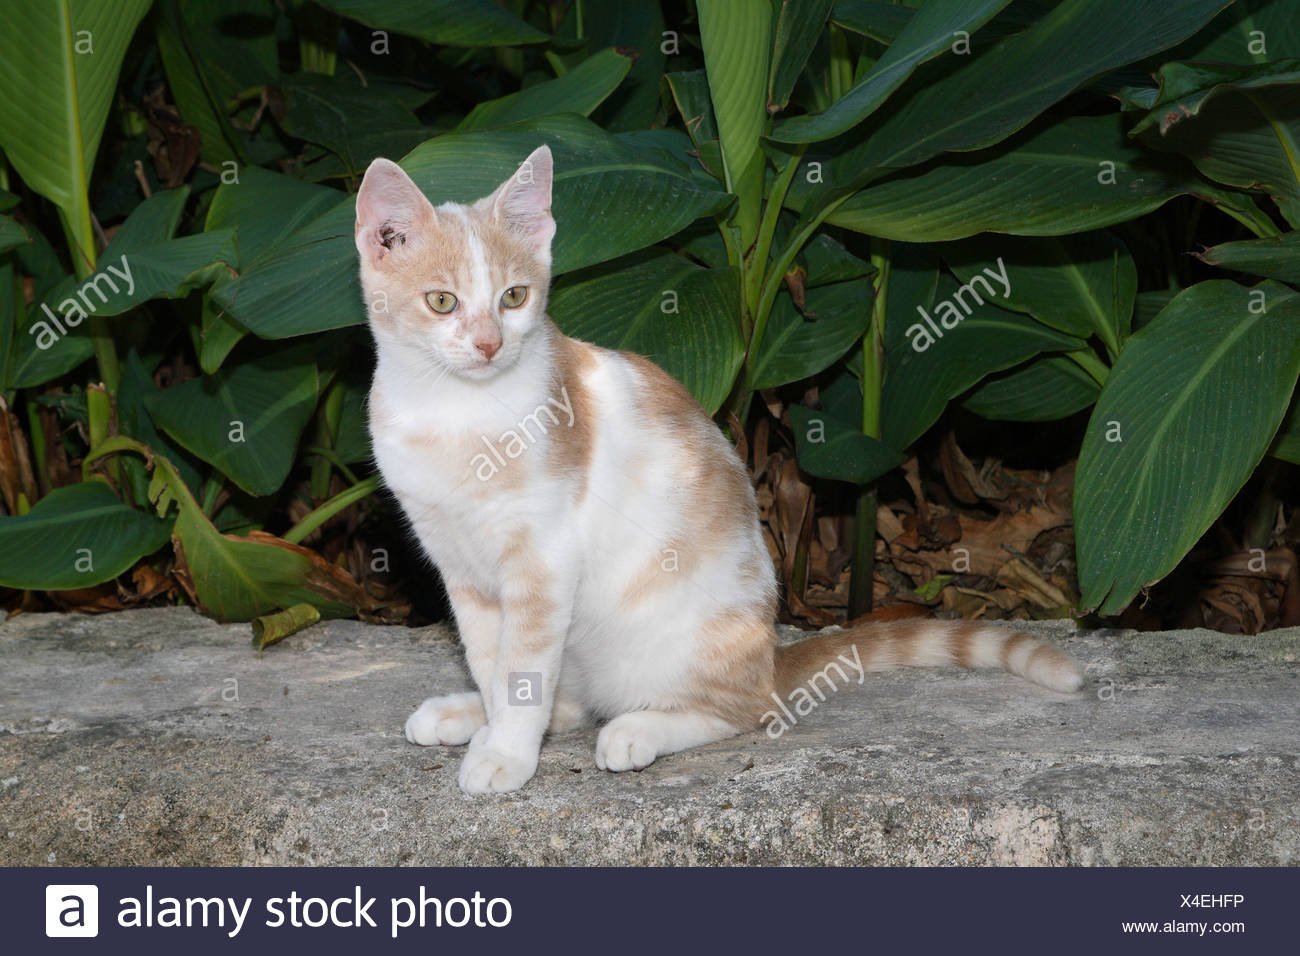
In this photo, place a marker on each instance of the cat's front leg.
(453, 719)
(537, 609)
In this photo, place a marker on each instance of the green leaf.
(637, 28)
(1275, 258)
(1239, 125)
(797, 346)
(737, 41)
(450, 22)
(830, 448)
(143, 262)
(798, 26)
(246, 419)
(924, 370)
(1082, 285)
(927, 35)
(1187, 413)
(1060, 177)
(334, 112)
(238, 579)
(75, 537)
(133, 397)
(1249, 31)
(11, 234)
(691, 95)
(1048, 388)
(580, 90)
(680, 316)
(307, 281)
(57, 94)
(997, 91)
(878, 20)
(213, 51)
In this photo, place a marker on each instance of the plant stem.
(756, 263)
(330, 456)
(841, 66)
(862, 575)
(1087, 360)
(327, 428)
(776, 274)
(329, 509)
(211, 491)
(81, 246)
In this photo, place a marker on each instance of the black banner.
(150, 910)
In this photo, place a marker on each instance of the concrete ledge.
(159, 737)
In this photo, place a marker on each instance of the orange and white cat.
(597, 534)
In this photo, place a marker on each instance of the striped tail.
(929, 643)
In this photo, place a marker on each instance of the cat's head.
(464, 285)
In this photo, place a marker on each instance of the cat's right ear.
(389, 208)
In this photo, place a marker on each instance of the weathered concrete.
(122, 742)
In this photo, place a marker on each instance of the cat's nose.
(489, 348)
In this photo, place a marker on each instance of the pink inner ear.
(389, 204)
(524, 200)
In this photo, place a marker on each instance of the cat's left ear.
(523, 202)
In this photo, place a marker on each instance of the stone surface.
(159, 737)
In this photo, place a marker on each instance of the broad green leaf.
(998, 90)
(680, 316)
(11, 234)
(691, 95)
(1186, 414)
(1065, 176)
(59, 61)
(1082, 285)
(1276, 258)
(637, 28)
(796, 346)
(307, 281)
(11, 302)
(948, 348)
(928, 34)
(1239, 125)
(76, 537)
(980, 101)
(247, 418)
(829, 448)
(261, 207)
(1249, 31)
(1048, 388)
(580, 90)
(873, 18)
(343, 117)
(132, 400)
(913, 281)
(237, 579)
(213, 51)
(450, 22)
(737, 40)
(143, 262)
(799, 24)
(1149, 305)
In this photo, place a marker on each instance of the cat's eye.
(515, 296)
(441, 302)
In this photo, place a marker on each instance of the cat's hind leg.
(450, 720)
(633, 740)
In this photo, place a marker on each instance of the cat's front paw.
(488, 769)
(450, 720)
